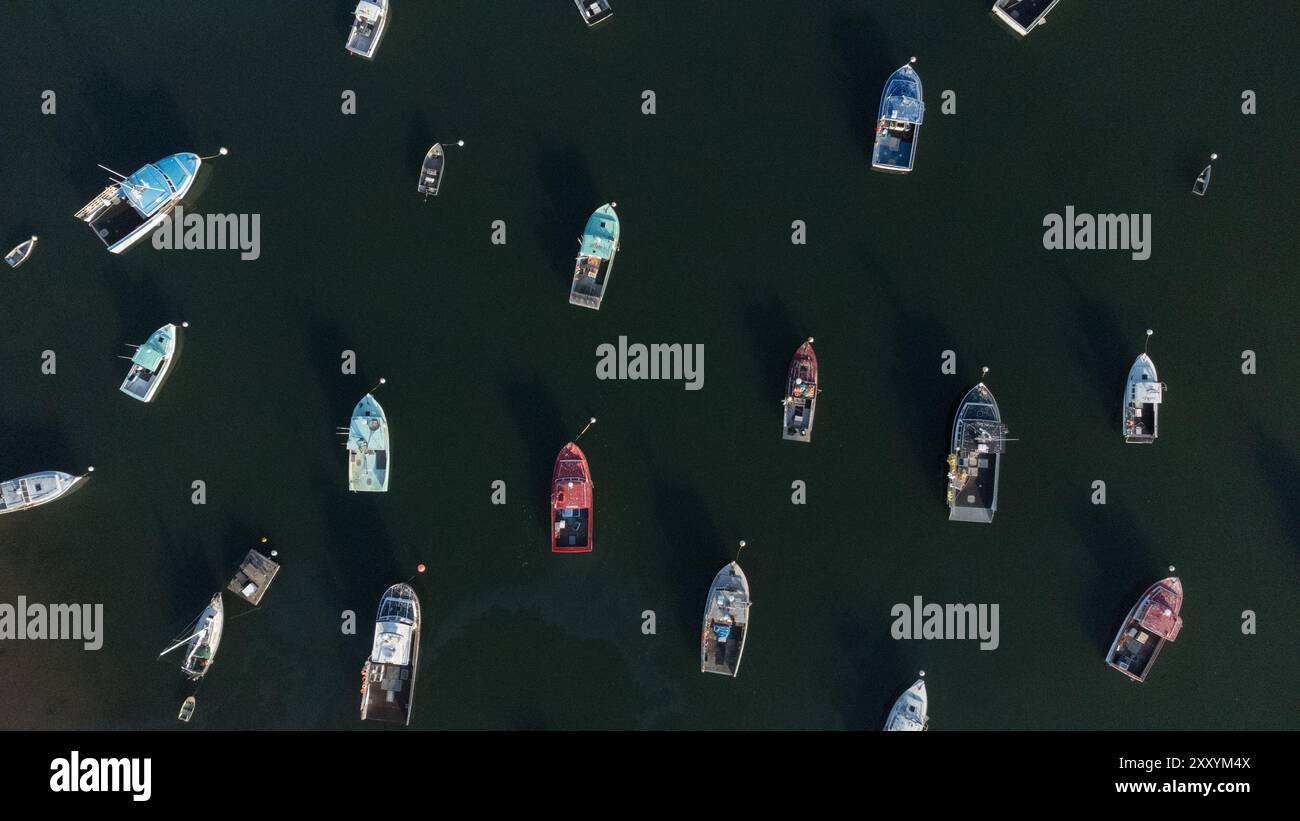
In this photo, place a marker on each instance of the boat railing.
(91, 209)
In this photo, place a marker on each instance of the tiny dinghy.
(20, 253)
(431, 172)
(1203, 179)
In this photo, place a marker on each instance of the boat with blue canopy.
(128, 209)
(898, 127)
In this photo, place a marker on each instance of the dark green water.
(763, 117)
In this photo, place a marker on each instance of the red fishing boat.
(801, 389)
(1152, 621)
(573, 499)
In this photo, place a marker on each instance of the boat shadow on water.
(419, 139)
(877, 672)
(773, 337)
(1281, 468)
(137, 302)
(1123, 567)
(571, 196)
(326, 342)
(357, 559)
(1104, 351)
(532, 408)
(859, 73)
(694, 552)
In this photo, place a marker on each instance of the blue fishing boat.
(150, 365)
(131, 207)
(898, 127)
(599, 244)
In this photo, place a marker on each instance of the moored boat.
(150, 365)
(128, 209)
(801, 390)
(21, 252)
(1023, 16)
(431, 172)
(898, 125)
(36, 489)
(368, 444)
(388, 676)
(594, 11)
(975, 459)
(1202, 180)
(911, 711)
(1143, 395)
(187, 709)
(726, 622)
(595, 262)
(1153, 620)
(201, 640)
(573, 503)
(370, 20)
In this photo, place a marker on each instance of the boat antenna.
(223, 151)
(382, 381)
(590, 422)
(111, 171)
(740, 548)
(1148, 340)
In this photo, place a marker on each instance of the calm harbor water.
(764, 113)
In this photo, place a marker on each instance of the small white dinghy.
(20, 253)
(1203, 179)
(911, 711)
(187, 709)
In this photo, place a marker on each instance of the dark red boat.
(1152, 621)
(801, 389)
(573, 501)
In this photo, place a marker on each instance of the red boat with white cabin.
(1152, 621)
(573, 501)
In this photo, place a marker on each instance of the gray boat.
(898, 127)
(975, 460)
(20, 253)
(388, 677)
(726, 622)
(1023, 16)
(1143, 395)
(594, 11)
(1199, 187)
(370, 21)
(36, 489)
(911, 712)
(431, 172)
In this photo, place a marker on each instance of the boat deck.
(594, 11)
(388, 692)
(1136, 650)
(1023, 15)
(723, 656)
(589, 277)
(895, 149)
(117, 222)
(977, 499)
(572, 528)
(798, 420)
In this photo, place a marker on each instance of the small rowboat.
(187, 709)
(20, 254)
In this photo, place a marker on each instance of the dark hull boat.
(573, 501)
(1022, 16)
(975, 461)
(1152, 621)
(726, 622)
(594, 11)
(388, 677)
(431, 172)
(801, 389)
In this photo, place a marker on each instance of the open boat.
(370, 20)
(975, 460)
(573, 503)
(801, 389)
(21, 252)
(187, 709)
(594, 11)
(911, 710)
(150, 365)
(1143, 395)
(595, 262)
(726, 622)
(368, 447)
(128, 209)
(898, 126)
(201, 640)
(431, 172)
(1152, 621)
(36, 489)
(388, 677)
(1202, 182)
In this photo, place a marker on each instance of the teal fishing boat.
(595, 258)
(131, 207)
(151, 364)
(368, 444)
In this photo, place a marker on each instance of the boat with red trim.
(1152, 621)
(801, 388)
(573, 497)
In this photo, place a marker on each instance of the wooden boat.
(801, 390)
(573, 503)
(20, 253)
(431, 172)
(1152, 621)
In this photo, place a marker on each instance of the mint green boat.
(367, 444)
(150, 365)
(595, 258)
